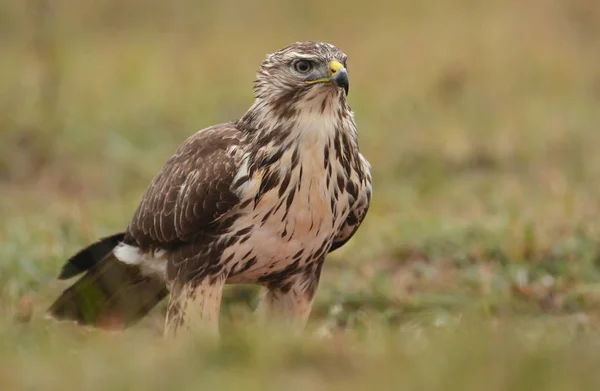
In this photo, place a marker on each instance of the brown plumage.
(260, 200)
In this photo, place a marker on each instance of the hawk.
(259, 200)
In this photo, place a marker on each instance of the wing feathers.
(90, 256)
(359, 209)
(190, 192)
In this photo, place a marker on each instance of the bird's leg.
(290, 301)
(194, 307)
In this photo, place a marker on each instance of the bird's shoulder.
(191, 191)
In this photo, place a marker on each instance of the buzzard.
(259, 200)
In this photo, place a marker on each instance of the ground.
(478, 266)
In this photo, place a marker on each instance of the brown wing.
(358, 212)
(190, 192)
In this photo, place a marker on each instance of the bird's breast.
(292, 223)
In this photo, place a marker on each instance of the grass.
(478, 266)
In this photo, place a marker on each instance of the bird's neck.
(314, 119)
(316, 141)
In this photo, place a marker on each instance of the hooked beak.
(338, 76)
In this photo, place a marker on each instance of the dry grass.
(477, 267)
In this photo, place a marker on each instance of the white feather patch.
(151, 263)
(128, 254)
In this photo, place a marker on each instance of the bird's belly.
(272, 255)
(287, 239)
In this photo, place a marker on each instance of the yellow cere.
(334, 67)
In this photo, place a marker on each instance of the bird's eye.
(303, 66)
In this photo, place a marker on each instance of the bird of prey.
(259, 200)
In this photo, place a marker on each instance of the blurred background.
(481, 119)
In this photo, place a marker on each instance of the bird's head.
(303, 70)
